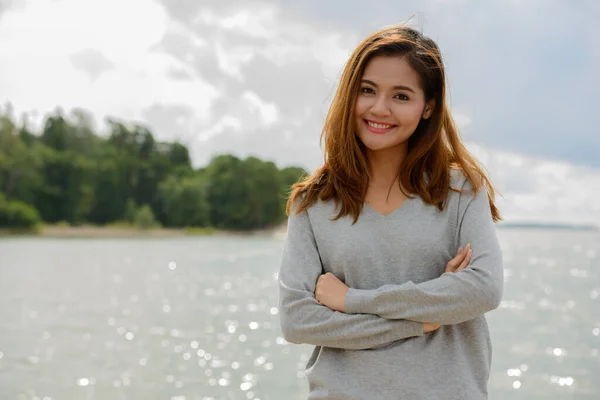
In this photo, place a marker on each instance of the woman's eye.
(401, 96)
(367, 90)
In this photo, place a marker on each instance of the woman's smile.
(378, 127)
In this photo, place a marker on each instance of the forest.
(68, 173)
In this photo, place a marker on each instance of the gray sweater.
(394, 266)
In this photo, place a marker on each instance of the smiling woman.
(390, 111)
(391, 258)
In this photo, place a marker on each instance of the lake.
(196, 318)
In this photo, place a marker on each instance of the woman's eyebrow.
(399, 87)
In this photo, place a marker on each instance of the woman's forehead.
(391, 71)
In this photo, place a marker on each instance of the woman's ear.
(429, 107)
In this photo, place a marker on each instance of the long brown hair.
(433, 149)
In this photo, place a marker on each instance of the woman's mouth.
(378, 128)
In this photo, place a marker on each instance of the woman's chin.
(379, 145)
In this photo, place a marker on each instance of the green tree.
(68, 172)
(144, 218)
(179, 155)
(65, 195)
(246, 194)
(130, 211)
(263, 185)
(184, 201)
(18, 215)
(19, 165)
(227, 192)
(288, 176)
(56, 133)
(110, 188)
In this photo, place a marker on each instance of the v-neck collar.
(398, 209)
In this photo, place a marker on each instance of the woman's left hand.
(331, 292)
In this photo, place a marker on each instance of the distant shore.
(118, 230)
(547, 226)
(92, 231)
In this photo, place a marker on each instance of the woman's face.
(390, 104)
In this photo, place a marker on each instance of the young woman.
(391, 258)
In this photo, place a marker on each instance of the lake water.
(196, 318)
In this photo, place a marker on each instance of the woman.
(391, 258)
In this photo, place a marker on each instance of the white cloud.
(534, 189)
(462, 120)
(255, 21)
(37, 43)
(232, 60)
(285, 41)
(226, 122)
(268, 111)
(119, 29)
(281, 101)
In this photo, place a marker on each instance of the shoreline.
(279, 231)
(92, 231)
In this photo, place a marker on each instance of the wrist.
(357, 301)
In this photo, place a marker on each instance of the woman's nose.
(381, 107)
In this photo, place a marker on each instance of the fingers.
(429, 327)
(326, 277)
(329, 278)
(458, 262)
(324, 282)
(466, 261)
(464, 250)
(319, 287)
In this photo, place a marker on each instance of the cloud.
(267, 112)
(91, 61)
(256, 77)
(527, 70)
(169, 121)
(66, 53)
(273, 76)
(533, 189)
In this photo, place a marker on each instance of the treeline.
(68, 173)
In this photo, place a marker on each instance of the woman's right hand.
(458, 263)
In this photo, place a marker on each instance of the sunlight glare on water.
(197, 318)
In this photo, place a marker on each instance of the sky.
(256, 77)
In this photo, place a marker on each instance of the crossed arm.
(321, 310)
(334, 294)
(304, 320)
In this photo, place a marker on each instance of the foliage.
(17, 214)
(144, 218)
(68, 172)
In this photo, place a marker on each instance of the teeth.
(379, 126)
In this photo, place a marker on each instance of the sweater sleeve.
(304, 320)
(454, 297)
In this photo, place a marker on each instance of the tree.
(68, 172)
(56, 133)
(184, 201)
(18, 215)
(227, 192)
(66, 194)
(179, 155)
(144, 218)
(110, 189)
(263, 183)
(19, 165)
(289, 176)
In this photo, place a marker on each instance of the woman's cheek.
(409, 112)
(362, 105)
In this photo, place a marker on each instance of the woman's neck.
(385, 165)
